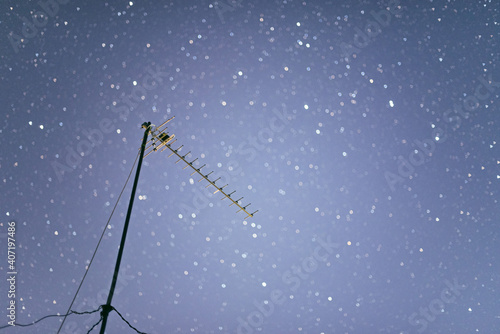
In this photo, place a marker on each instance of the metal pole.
(107, 308)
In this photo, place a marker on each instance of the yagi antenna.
(162, 140)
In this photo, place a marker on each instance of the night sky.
(366, 133)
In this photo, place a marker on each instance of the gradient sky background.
(366, 138)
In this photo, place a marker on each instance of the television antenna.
(160, 140)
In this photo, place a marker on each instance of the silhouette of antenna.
(162, 140)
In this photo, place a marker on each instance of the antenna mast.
(107, 308)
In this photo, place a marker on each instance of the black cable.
(128, 323)
(100, 239)
(53, 315)
(97, 323)
(69, 311)
(87, 312)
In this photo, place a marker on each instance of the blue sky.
(365, 133)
